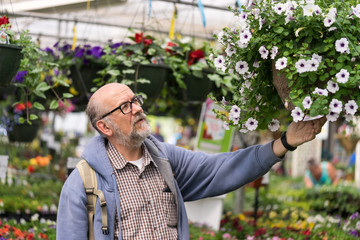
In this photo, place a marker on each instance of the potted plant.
(13, 120)
(138, 64)
(194, 76)
(10, 52)
(299, 54)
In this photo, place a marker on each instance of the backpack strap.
(88, 177)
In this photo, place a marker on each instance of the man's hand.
(301, 132)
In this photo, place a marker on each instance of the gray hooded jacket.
(190, 176)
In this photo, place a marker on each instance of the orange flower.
(18, 233)
(43, 161)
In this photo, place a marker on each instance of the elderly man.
(145, 182)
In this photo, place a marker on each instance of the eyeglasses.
(126, 107)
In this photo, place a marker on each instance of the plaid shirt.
(148, 208)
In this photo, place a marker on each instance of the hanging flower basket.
(197, 89)
(24, 132)
(348, 142)
(10, 57)
(157, 74)
(83, 77)
(281, 85)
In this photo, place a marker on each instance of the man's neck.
(130, 154)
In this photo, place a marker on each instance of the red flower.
(139, 38)
(22, 106)
(169, 46)
(306, 232)
(147, 41)
(43, 236)
(194, 56)
(31, 169)
(30, 236)
(4, 20)
(260, 232)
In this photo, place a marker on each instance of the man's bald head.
(102, 100)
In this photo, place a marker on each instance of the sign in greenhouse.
(212, 136)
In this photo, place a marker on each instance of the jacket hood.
(96, 155)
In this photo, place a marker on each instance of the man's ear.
(103, 127)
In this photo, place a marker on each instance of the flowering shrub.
(312, 44)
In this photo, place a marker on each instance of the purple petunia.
(20, 76)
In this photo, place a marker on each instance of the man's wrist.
(285, 143)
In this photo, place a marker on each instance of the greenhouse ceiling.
(98, 21)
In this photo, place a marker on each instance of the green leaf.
(278, 30)
(67, 95)
(54, 104)
(42, 87)
(21, 120)
(38, 106)
(33, 117)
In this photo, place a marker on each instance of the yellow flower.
(241, 217)
(73, 91)
(33, 162)
(272, 214)
(294, 215)
(285, 212)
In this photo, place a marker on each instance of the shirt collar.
(119, 162)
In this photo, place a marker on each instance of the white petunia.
(242, 45)
(234, 119)
(321, 92)
(335, 106)
(332, 117)
(356, 10)
(328, 21)
(226, 126)
(256, 64)
(281, 63)
(241, 67)
(332, 29)
(332, 87)
(274, 52)
(307, 102)
(313, 65)
(342, 45)
(245, 36)
(302, 66)
(310, 9)
(220, 37)
(279, 8)
(274, 125)
(332, 12)
(243, 16)
(230, 50)
(219, 61)
(316, 57)
(297, 114)
(351, 107)
(235, 110)
(251, 124)
(263, 52)
(342, 76)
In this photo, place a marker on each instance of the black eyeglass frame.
(137, 98)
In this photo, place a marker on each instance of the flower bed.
(35, 229)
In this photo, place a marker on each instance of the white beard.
(135, 138)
